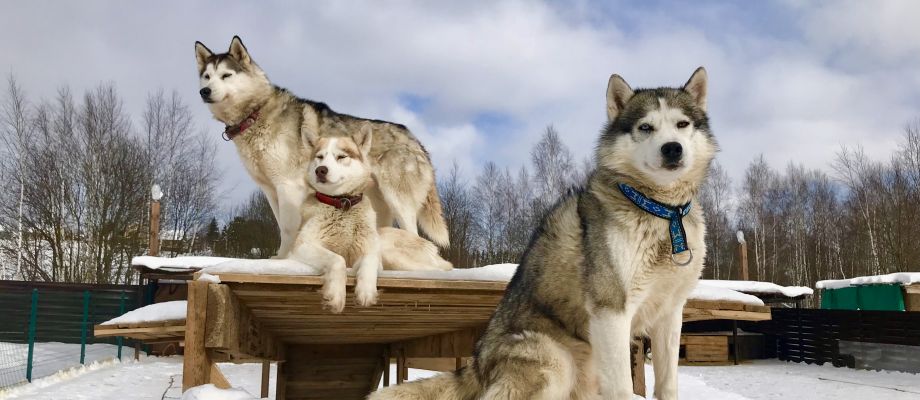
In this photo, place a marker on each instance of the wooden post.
(196, 366)
(266, 372)
(386, 367)
(742, 256)
(400, 366)
(154, 245)
(638, 366)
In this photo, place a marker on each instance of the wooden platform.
(260, 318)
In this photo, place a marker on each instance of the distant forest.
(76, 173)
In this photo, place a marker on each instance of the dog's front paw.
(365, 295)
(334, 298)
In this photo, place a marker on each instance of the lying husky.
(340, 227)
(265, 123)
(616, 260)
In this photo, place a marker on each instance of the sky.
(479, 81)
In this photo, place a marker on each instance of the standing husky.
(266, 123)
(340, 229)
(616, 260)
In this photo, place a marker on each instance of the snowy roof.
(704, 291)
(904, 278)
(168, 311)
(754, 287)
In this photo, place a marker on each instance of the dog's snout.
(322, 171)
(672, 151)
(205, 93)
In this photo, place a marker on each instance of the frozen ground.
(49, 358)
(160, 378)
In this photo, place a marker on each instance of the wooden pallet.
(704, 349)
(148, 332)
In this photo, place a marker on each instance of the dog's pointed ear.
(618, 93)
(696, 86)
(202, 53)
(238, 50)
(364, 138)
(309, 137)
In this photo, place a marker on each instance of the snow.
(206, 277)
(261, 267)
(177, 264)
(161, 378)
(150, 378)
(168, 311)
(211, 392)
(715, 293)
(904, 278)
(48, 358)
(495, 272)
(759, 287)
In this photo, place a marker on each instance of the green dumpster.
(887, 297)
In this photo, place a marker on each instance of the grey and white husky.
(340, 226)
(615, 260)
(266, 123)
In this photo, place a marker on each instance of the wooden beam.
(266, 374)
(196, 365)
(638, 366)
(382, 283)
(217, 378)
(233, 330)
(446, 345)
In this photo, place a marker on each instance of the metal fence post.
(83, 327)
(121, 311)
(33, 312)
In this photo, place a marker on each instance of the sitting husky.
(614, 261)
(265, 123)
(339, 228)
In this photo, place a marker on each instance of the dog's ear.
(202, 53)
(364, 138)
(309, 138)
(618, 93)
(238, 50)
(696, 86)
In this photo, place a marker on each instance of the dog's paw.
(334, 298)
(365, 295)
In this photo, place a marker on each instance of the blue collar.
(673, 214)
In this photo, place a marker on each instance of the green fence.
(47, 327)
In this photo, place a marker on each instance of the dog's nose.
(205, 93)
(672, 151)
(321, 171)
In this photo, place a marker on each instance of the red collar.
(343, 203)
(233, 131)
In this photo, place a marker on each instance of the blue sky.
(479, 81)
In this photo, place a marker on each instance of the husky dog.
(266, 122)
(339, 229)
(615, 260)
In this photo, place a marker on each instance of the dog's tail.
(431, 218)
(460, 385)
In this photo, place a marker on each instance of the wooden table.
(320, 355)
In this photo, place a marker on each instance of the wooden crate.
(704, 348)
(912, 297)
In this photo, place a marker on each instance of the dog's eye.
(206, 76)
(683, 124)
(319, 158)
(646, 128)
(340, 157)
(225, 76)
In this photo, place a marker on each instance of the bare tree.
(15, 135)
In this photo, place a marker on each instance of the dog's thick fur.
(333, 239)
(599, 269)
(273, 153)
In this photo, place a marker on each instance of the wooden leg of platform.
(196, 365)
(386, 367)
(400, 366)
(266, 373)
(638, 364)
(217, 378)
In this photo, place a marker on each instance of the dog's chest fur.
(271, 149)
(342, 232)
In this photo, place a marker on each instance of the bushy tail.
(431, 218)
(445, 386)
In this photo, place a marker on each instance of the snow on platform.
(754, 287)
(168, 311)
(703, 291)
(903, 278)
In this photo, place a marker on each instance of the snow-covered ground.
(156, 378)
(49, 358)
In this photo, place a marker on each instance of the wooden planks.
(332, 372)
(702, 310)
(145, 331)
(196, 366)
(705, 348)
